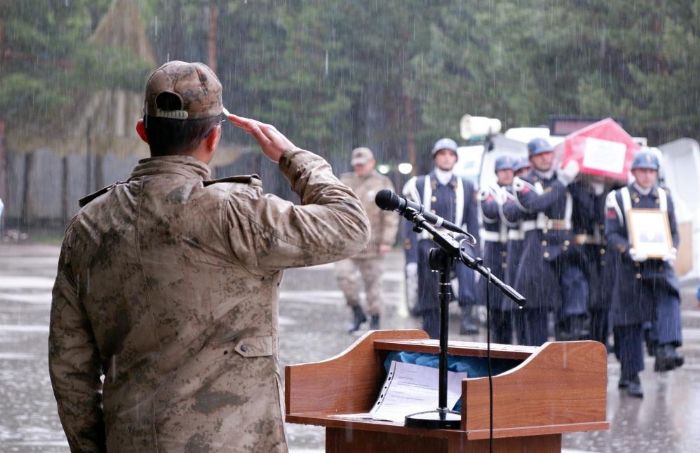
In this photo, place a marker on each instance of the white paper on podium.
(411, 388)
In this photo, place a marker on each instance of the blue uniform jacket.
(495, 239)
(443, 204)
(630, 304)
(546, 240)
(588, 224)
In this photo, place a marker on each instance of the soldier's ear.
(213, 138)
(141, 130)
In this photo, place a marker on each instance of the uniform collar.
(643, 192)
(452, 182)
(186, 166)
(544, 175)
(365, 177)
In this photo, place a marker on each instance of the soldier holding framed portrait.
(641, 231)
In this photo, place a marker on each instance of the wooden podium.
(556, 388)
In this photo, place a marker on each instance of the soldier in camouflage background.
(167, 284)
(367, 266)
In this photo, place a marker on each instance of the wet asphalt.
(313, 322)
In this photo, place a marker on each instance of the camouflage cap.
(182, 90)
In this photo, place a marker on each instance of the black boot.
(358, 318)
(650, 343)
(623, 383)
(667, 358)
(679, 359)
(573, 328)
(374, 322)
(580, 328)
(634, 387)
(468, 326)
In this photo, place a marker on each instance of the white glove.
(567, 174)
(637, 256)
(412, 271)
(598, 188)
(671, 256)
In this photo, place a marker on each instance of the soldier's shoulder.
(84, 201)
(468, 183)
(521, 185)
(252, 179)
(233, 183)
(384, 179)
(529, 177)
(346, 177)
(612, 196)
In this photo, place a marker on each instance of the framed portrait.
(649, 232)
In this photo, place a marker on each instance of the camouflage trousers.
(351, 273)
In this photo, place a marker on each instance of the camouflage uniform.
(384, 225)
(168, 285)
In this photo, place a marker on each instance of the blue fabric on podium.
(473, 366)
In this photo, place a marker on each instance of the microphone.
(390, 201)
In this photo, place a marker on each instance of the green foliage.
(393, 74)
(47, 62)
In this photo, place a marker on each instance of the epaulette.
(88, 198)
(241, 179)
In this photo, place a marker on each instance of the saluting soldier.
(454, 199)
(545, 274)
(366, 268)
(646, 289)
(164, 329)
(494, 233)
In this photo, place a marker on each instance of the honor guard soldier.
(545, 274)
(367, 265)
(511, 216)
(494, 233)
(588, 221)
(454, 199)
(646, 289)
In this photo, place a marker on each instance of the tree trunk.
(64, 190)
(410, 132)
(3, 166)
(211, 42)
(88, 160)
(99, 171)
(26, 211)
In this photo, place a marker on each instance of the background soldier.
(454, 199)
(588, 221)
(495, 236)
(368, 264)
(511, 216)
(646, 289)
(167, 283)
(545, 274)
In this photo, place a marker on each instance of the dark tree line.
(392, 74)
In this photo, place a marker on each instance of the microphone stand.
(441, 259)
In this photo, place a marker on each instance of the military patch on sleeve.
(240, 179)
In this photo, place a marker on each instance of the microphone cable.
(488, 357)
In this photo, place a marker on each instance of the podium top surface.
(457, 348)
